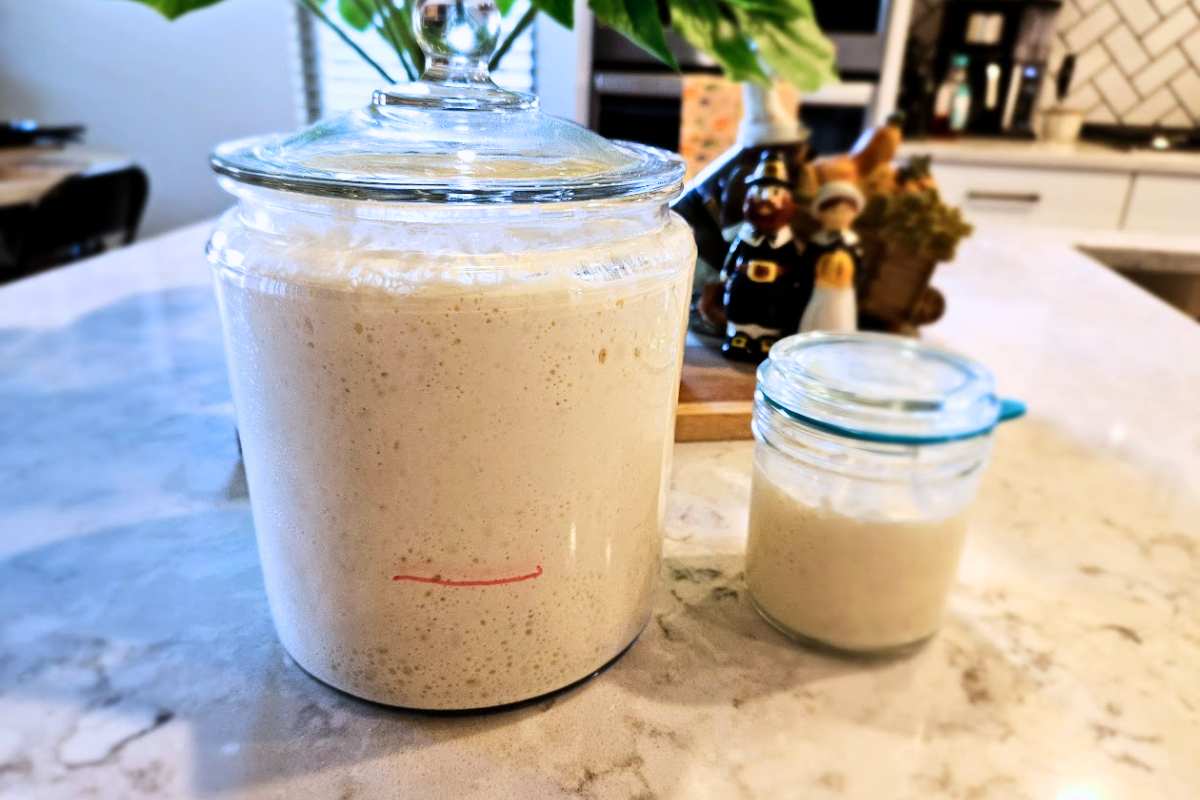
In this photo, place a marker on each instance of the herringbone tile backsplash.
(1137, 61)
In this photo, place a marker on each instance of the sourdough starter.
(458, 489)
(856, 584)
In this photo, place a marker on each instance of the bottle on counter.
(952, 105)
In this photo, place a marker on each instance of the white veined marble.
(137, 658)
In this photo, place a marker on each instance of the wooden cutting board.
(715, 396)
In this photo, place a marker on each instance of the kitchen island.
(137, 658)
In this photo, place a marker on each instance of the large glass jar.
(869, 452)
(454, 330)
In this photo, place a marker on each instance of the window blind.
(335, 78)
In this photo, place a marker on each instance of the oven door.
(856, 28)
(646, 107)
(637, 98)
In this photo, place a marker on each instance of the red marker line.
(439, 581)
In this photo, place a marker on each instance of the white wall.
(563, 65)
(161, 92)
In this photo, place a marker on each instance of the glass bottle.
(952, 105)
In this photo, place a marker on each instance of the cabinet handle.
(1006, 197)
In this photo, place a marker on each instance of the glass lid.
(453, 136)
(881, 388)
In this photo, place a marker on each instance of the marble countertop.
(137, 658)
(1029, 153)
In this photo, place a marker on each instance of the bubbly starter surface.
(855, 584)
(457, 494)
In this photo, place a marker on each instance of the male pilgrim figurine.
(835, 257)
(762, 272)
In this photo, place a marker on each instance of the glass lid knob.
(458, 38)
(453, 136)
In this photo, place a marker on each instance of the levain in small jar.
(864, 472)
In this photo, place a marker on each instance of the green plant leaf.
(176, 8)
(384, 21)
(647, 30)
(314, 8)
(702, 24)
(511, 37)
(638, 21)
(774, 9)
(794, 49)
(505, 6)
(396, 27)
(561, 11)
(355, 13)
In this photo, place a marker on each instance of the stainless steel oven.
(637, 98)
(857, 28)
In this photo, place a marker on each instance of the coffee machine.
(1007, 43)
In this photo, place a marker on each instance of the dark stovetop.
(1127, 138)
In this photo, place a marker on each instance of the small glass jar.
(869, 452)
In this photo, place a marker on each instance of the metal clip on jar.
(454, 327)
(869, 452)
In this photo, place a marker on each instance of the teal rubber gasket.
(1010, 409)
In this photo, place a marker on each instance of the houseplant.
(752, 40)
(907, 230)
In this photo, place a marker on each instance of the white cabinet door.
(1164, 204)
(1034, 196)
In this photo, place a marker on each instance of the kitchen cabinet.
(1035, 196)
(1164, 204)
(1082, 185)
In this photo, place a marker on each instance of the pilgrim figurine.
(762, 269)
(835, 258)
